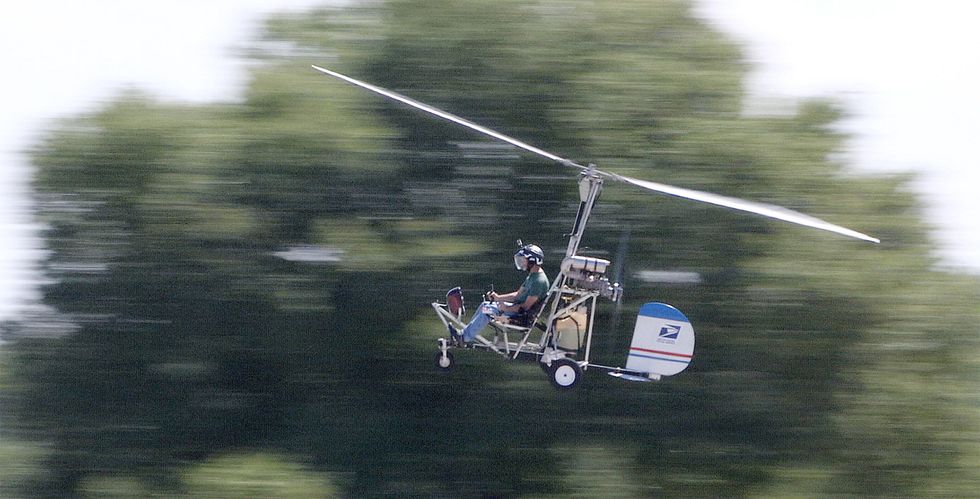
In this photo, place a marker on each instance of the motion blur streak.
(237, 293)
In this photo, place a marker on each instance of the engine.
(588, 273)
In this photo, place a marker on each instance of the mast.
(589, 187)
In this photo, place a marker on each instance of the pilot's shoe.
(456, 336)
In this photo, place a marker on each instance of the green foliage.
(255, 475)
(239, 475)
(21, 466)
(823, 366)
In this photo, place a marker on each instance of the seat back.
(454, 300)
(527, 317)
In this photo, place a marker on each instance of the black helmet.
(528, 256)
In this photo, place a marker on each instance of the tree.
(197, 331)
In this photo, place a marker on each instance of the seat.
(522, 324)
(524, 319)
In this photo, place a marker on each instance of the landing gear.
(445, 362)
(564, 374)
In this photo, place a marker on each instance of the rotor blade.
(448, 116)
(768, 210)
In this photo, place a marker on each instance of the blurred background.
(218, 263)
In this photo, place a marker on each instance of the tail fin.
(663, 341)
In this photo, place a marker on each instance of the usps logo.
(669, 333)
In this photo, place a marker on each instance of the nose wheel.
(445, 362)
(444, 359)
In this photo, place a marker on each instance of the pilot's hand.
(493, 296)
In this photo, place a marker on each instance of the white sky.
(908, 71)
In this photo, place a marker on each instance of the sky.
(906, 72)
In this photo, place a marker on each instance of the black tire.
(545, 367)
(565, 374)
(445, 364)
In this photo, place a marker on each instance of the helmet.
(528, 256)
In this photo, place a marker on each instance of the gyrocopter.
(557, 331)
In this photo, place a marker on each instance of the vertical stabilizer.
(663, 341)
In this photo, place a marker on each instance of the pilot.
(517, 304)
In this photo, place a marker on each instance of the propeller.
(767, 210)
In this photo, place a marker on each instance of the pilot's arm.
(506, 297)
(518, 307)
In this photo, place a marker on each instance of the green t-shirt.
(536, 284)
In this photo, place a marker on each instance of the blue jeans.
(481, 318)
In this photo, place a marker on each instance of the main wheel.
(565, 374)
(445, 363)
